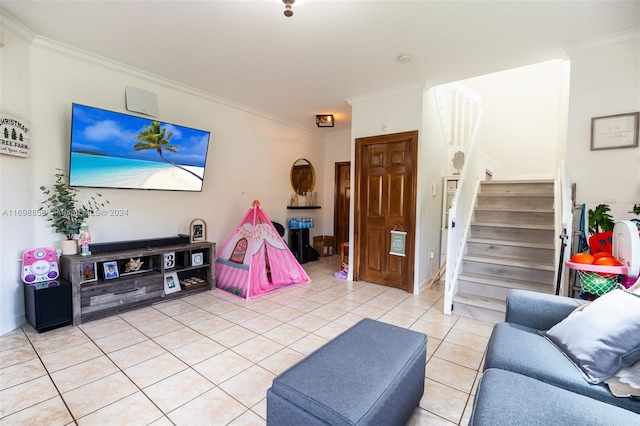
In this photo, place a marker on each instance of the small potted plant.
(600, 220)
(64, 211)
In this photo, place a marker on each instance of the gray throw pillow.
(602, 337)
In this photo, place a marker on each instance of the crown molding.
(383, 93)
(15, 27)
(631, 34)
(100, 61)
(9, 24)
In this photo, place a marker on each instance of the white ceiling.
(328, 51)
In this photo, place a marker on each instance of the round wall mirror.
(303, 177)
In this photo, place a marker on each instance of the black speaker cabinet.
(47, 304)
(299, 244)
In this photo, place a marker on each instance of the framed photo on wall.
(614, 131)
(197, 231)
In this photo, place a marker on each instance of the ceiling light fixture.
(287, 7)
(324, 120)
(405, 58)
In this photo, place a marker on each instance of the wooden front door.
(385, 200)
(341, 204)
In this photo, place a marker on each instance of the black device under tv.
(138, 244)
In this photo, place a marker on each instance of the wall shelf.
(302, 207)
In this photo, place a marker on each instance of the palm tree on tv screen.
(153, 137)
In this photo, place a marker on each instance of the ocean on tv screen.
(115, 150)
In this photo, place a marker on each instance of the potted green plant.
(64, 211)
(600, 220)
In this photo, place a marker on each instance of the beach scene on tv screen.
(114, 150)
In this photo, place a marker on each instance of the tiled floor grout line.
(52, 381)
(364, 298)
(166, 415)
(191, 367)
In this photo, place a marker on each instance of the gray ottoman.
(371, 374)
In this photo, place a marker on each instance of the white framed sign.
(197, 259)
(614, 131)
(169, 260)
(14, 136)
(398, 243)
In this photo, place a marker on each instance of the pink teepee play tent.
(255, 260)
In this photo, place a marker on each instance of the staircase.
(510, 245)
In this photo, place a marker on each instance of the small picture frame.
(197, 259)
(171, 283)
(169, 260)
(110, 270)
(88, 272)
(614, 131)
(398, 243)
(197, 231)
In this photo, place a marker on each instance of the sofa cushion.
(538, 310)
(507, 398)
(523, 350)
(603, 337)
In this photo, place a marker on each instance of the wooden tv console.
(94, 296)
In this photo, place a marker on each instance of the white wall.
(393, 111)
(337, 149)
(521, 126)
(250, 155)
(389, 112)
(434, 164)
(605, 80)
(17, 185)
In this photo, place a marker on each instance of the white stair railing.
(459, 109)
(563, 227)
(461, 214)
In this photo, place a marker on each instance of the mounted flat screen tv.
(114, 150)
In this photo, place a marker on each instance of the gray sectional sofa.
(529, 380)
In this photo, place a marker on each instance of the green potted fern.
(64, 211)
(600, 220)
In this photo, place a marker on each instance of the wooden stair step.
(514, 194)
(513, 209)
(505, 283)
(480, 301)
(511, 243)
(503, 261)
(523, 181)
(515, 225)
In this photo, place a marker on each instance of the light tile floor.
(208, 359)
